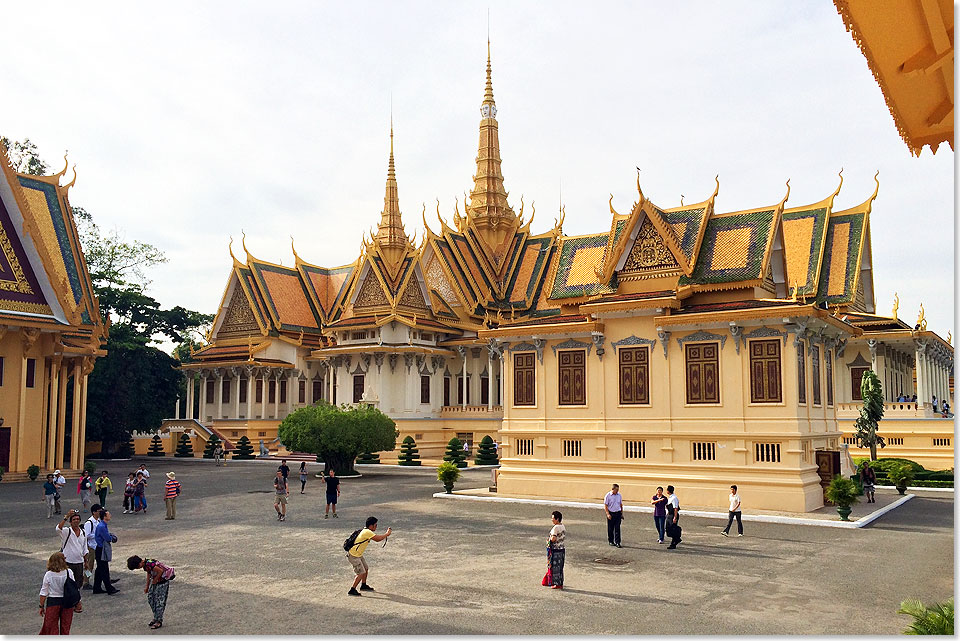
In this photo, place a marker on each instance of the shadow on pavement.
(617, 597)
(429, 604)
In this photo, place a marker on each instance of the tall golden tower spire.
(488, 209)
(391, 239)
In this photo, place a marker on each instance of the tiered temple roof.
(487, 270)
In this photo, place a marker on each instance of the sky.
(190, 123)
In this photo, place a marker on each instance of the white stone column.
(78, 417)
(265, 396)
(219, 394)
(463, 375)
(236, 373)
(189, 374)
(293, 387)
(62, 416)
(176, 410)
(202, 406)
(249, 372)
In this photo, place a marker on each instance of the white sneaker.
(739, 535)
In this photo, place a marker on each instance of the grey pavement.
(459, 567)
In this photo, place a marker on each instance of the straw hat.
(171, 475)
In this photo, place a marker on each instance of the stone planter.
(902, 489)
(448, 487)
(844, 512)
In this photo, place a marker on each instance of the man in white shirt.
(90, 531)
(59, 481)
(673, 518)
(613, 508)
(143, 468)
(734, 513)
(73, 542)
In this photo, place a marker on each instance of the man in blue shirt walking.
(105, 540)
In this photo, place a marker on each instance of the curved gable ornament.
(572, 344)
(700, 336)
(536, 346)
(767, 332)
(631, 341)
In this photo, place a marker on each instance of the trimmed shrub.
(90, 466)
(184, 447)
(126, 447)
(884, 464)
(33, 472)
(211, 446)
(244, 451)
(455, 453)
(368, 458)
(409, 455)
(486, 452)
(156, 447)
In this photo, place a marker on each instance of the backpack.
(351, 540)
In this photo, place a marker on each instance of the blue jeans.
(139, 503)
(660, 522)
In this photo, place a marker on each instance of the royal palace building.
(50, 326)
(680, 345)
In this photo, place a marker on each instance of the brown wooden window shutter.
(765, 384)
(801, 373)
(573, 376)
(634, 375)
(703, 370)
(524, 379)
(815, 372)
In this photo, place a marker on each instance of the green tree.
(486, 452)
(409, 455)
(24, 157)
(455, 453)
(338, 434)
(936, 619)
(867, 423)
(156, 447)
(212, 443)
(184, 447)
(244, 451)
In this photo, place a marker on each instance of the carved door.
(828, 466)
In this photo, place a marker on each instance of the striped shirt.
(171, 489)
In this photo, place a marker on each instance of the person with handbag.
(104, 553)
(556, 551)
(103, 486)
(73, 547)
(59, 596)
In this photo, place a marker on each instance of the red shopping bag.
(547, 578)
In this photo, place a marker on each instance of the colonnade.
(59, 371)
(934, 364)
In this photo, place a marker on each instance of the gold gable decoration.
(238, 319)
(412, 296)
(650, 253)
(371, 293)
(16, 281)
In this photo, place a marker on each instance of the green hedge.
(887, 483)
(884, 464)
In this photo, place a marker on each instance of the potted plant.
(842, 493)
(33, 472)
(900, 476)
(448, 474)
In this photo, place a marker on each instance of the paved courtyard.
(459, 567)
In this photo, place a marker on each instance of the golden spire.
(390, 234)
(488, 208)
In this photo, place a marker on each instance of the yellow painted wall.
(668, 426)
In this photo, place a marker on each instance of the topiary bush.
(156, 447)
(211, 446)
(90, 466)
(884, 464)
(455, 453)
(33, 472)
(184, 447)
(409, 455)
(126, 447)
(486, 452)
(368, 458)
(244, 451)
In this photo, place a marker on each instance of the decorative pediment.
(536, 346)
(700, 336)
(650, 253)
(572, 344)
(238, 320)
(413, 296)
(767, 332)
(371, 292)
(631, 341)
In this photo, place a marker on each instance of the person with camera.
(74, 545)
(104, 551)
(355, 550)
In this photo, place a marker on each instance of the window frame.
(528, 370)
(572, 369)
(701, 361)
(816, 391)
(634, 366)
(362, 379)
(424, 389)
(765, 360)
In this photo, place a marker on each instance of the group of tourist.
(282, 489)
(666, 519)
(86, 550)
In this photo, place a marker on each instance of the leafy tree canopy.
(338, 434)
